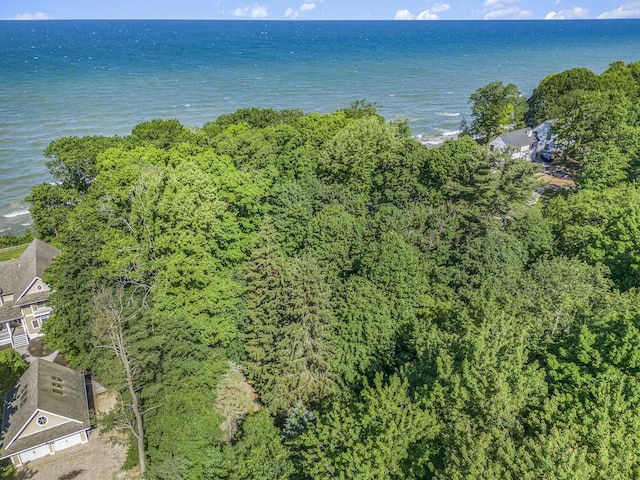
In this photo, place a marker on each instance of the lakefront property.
(23, 294)
(526, 143)
(47, 409)
(278, 294)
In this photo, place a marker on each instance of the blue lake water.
(61, 78)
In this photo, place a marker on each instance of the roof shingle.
(35, 391)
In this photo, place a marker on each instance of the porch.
(13, 333)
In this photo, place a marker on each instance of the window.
(35, 323)
(40, 305)
(39, 287)
(42, 420)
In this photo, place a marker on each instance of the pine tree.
(266, 274)
(306, 344)
(291, 327)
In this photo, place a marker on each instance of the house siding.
(50, 448)
(38, 287)
(31, 313)
(22, 290)
(52, 421)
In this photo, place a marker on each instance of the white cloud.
(259, 11)
(424, 15)
(498, 3)
(508, 13)
(256, 11)
(404, 15)
(32, 16)
(628, 10)
(567, 13)
(241, 12)
(504, 9)
(440, 7)
(305, 7)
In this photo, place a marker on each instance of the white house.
(525, 143)
(45, 412)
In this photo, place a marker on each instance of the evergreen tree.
(267, 281)
(305, 346)
(381, 434)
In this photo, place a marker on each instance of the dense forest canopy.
(307, 296)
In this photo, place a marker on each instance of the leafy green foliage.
(600, 226)
(543, 103)
(290, 336)
(73, 160)
(355, 152)
(50, 207)
(161, 134)
(12, 366)
(11, 240)
(401, 311)
(495, 109)
(258, 453)
(383, 433)
(590, 117)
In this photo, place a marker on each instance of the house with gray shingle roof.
(23, 294)
(524, 143)
(519, 143)
(45, 412)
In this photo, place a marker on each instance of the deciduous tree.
(495, 109)
(112, 311)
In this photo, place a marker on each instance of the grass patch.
(12, 253)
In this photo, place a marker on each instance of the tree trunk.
(135, 404)
(108, 326)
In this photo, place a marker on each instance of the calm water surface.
(104, 77)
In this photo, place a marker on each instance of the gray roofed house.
(524, 143)
(520, 143)
(23, 294)
(45, 412)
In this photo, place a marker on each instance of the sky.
(409, 10)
